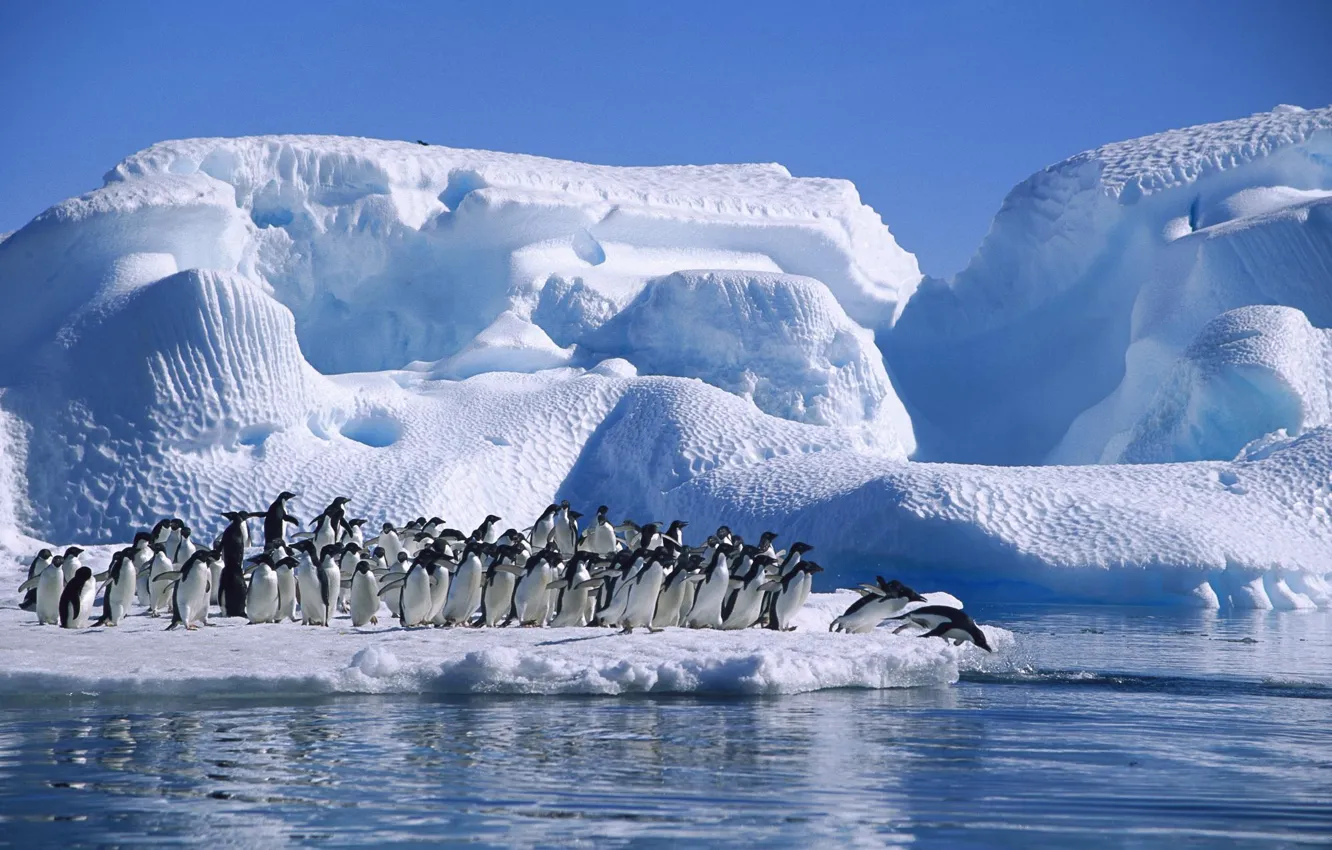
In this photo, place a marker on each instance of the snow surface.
(434, 331)
(234, 659)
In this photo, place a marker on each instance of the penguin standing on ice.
(262, 598)
(600, 537)
(643, 591)
(485, 532)
(465, 589)
(364, 595)
(122, 577)
(544, 527)
(276, 519)
(790, 597)
(189, 588)
(36, 568)
(76, 600)
(706, 612)
(231, 591)
(48, 586)
(572, 603)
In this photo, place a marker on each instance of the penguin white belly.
(439, 596)
(49, 587)
(499, 597)
(143, 590)
(161, 598)
(790, 600)
(312, 602)
(190, 598)
(121, 593)
(668, 605)
(572, 609)
(706, 611)
(79, 619)
(642, 599)
(286, 583)
(745, 612)
(529, 598)
(414, 608)
(261, 599)
(215, 575)
(464, 592)
(364, 599)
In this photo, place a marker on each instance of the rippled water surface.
(1111, 727)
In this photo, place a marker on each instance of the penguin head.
(386, 528)
(490, 518)
(564, 504)
(766, 538)
(678, 524)
(810, 567)
(575, 515)
(185, 532)
(601, 512)
(364, 567)
(341, 500)
(896, 590)
(285, 495)
(800, 547)
(73, 552)
(723, 531)
(57, 560)
(83, 574)
(356, 523)
(978, 636)
(379, 552)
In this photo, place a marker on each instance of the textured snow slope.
(1096, 275)
(231, 658)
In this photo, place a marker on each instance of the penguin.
(232, 592)
(330, 582)
(529, 597)
(706, 612)
(122, 578)
(790, 598)
(159, 564)
(574, 588)
(465, 589)
(641, 599)
(877, 603)
(71, 563)
(414, 600)
(49, 585)
(189, 588)
(355, 534)
(946, 622)
(543, 527)
(364, 595)
(437, 567)
(497, 589)
(388, 539)
(612, 612)
(36, 568)
(672, 598)
(485, 532)
(676, 531)
(262, 600)
(649, 537)
(351, 556)
(185, 547)
(600, 538)
(143, 556)
(276, 519)
(308, 585)
(397, 570)
(632, 533)
(285, 570)
(565, 533)
(742, 608)
(76, 600)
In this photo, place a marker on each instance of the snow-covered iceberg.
(448, 332)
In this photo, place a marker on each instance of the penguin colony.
(622, 576)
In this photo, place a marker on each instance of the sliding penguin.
(76, 601)
(948, 623)
(877, 603)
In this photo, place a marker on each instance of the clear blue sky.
(934, 109)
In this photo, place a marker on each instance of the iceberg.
(1123, 398)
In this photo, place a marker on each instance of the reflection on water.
(1113, 727)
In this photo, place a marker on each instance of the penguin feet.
(628, 630)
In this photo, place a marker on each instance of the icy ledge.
(234, 659)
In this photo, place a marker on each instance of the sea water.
(1111, 727)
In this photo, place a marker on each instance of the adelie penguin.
(276, 519)
(364, 595)
(262, 598)
(790, 598)
(49, 585)
(122, 578)
(231, 590)
(877, 603)
(76, 601)
(71, 563)
(946, 622)
(36, 568)
(189, 590)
